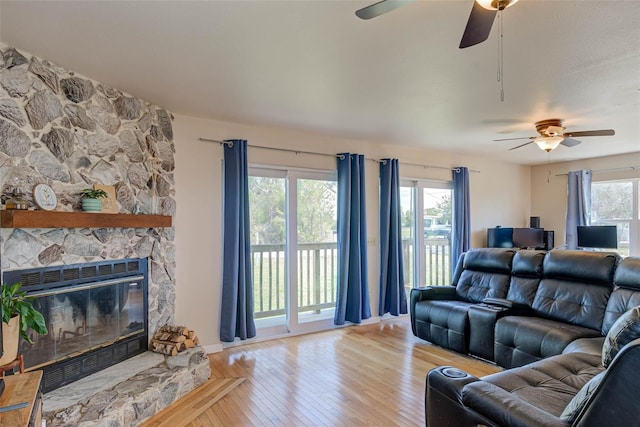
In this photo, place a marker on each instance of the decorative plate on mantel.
(44, 197)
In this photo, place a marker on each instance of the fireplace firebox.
(96, 314)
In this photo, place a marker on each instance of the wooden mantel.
(47, 219)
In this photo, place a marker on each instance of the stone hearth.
(127, 393)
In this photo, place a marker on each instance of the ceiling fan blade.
(569, 142)
(520, 146)
(478, 26)
(380, 8)
(515, 139)
(602, 132)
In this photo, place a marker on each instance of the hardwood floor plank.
(371, 375)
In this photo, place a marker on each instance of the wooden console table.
(21, 388)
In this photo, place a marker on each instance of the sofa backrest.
(626, 293)
(575, 286)
(485, 273)
(526, 273)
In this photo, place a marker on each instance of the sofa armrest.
(433, 292)
(504, 408)
(505, 303)
(443, 399)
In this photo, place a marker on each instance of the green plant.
(93, 193)
(16, 302)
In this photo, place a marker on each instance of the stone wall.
(70, 132)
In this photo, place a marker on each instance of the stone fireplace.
(70, 132)
(96, 314)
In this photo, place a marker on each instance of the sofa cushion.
(475, 286)
(485, 274)
(580, 400)
(581, 304)
(494, 260)
(620, 301)
(585, 345)
(625, 330)
(525, 276)
(548, 384)
(521, 339)
(596, 268)
(628, 273)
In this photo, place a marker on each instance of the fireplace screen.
(86, 317)
(96, 314)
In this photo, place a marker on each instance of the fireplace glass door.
(86, 317)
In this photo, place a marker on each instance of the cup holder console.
(454, 373)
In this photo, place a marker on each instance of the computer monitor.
(500, 237)
(598, 236)
(528, 237)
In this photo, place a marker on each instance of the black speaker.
(534, 222)
(548, 240)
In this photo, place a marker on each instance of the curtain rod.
(436, 167)
(341, 157)
(606, 170)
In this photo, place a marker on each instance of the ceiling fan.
(552, 134)
(478, 26)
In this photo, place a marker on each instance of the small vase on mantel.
(91, 199)
(91, 205)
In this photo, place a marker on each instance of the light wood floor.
(370, 375)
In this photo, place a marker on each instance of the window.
(616, 203)
(426, 232)
(294, 247)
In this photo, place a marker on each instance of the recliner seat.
(440, 314)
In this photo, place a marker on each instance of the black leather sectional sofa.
(544, 318)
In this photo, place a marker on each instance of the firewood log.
(178, 345)
(168, 336)
(169, 349)
(182, 330)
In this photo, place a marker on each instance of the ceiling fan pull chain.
(501, 60)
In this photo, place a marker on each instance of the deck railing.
(318, 271)
(317, 278)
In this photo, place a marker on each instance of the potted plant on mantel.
(18, 316)
(91, 199)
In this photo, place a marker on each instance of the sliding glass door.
(293, 227)
(426, 232)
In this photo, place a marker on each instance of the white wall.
(549, 186)
(499, 196)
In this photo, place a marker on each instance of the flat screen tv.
(598, 236)
(500, 237)
(528, 237)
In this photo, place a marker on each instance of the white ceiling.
(399, 78)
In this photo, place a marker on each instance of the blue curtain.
(236, 318)
(392, 294)
(461, 214)
(352, 301)
(578, 205)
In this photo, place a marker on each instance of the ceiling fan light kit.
(552, 134)
(496, 4)
(548, 143)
